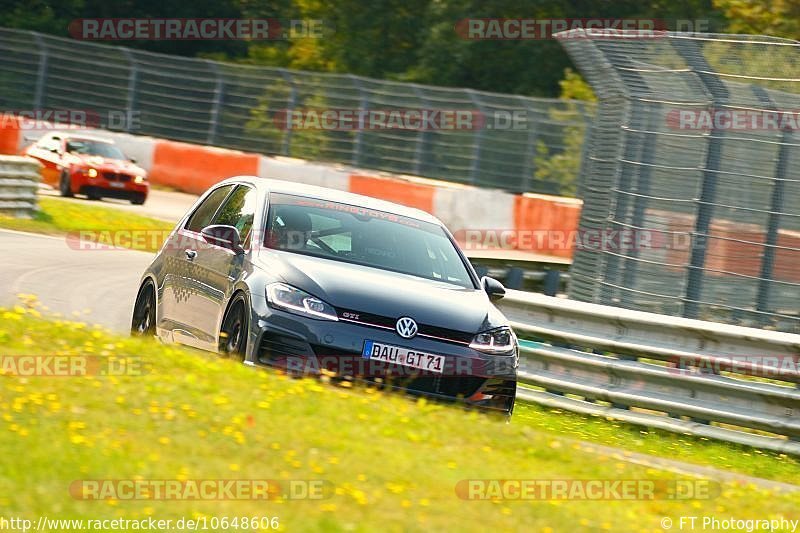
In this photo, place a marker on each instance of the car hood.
(370, 290)
(105, 164)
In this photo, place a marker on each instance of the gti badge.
(406, 327)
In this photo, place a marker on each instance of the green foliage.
(411, 40)
(563, 166)
(780, 18)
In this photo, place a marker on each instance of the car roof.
(79, 135)
(333, 195)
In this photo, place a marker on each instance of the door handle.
(191, 254)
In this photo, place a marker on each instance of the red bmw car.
(77, 163)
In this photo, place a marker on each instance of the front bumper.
(100, 186)
(301, 345)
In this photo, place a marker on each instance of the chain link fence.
(695, 147)
(243, 107)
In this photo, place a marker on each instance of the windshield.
(364, 236)
(90, 147)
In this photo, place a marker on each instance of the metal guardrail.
(19, 180)
(683, 375)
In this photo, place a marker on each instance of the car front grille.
(114, 176)
(425, 330)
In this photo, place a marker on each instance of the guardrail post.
(693, 55)
(551, 282)
(515, 278)
(41, 72)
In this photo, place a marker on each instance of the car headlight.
(294, 300)
(139, 179)
(92, 172)
(500, 340)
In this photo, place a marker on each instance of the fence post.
(41, 73)
(776, 208)
(705, 211)
(133, 78)
(422, 135)
(286, 145)
(363, 105)
(219, 89)
(478, 136)
(530, 156)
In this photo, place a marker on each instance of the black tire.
(233, 333)
(143, 322)
(138, 199)
(65, 186)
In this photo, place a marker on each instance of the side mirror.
(493, 288)
(132, 160)
(225, 236)
(55, 150)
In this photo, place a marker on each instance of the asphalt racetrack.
(100, 285)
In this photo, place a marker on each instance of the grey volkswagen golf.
(314, 280)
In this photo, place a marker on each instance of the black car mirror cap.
(493, 288)
(132, 160)
(225, 236)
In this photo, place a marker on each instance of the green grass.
(103, 224)
(393, 463)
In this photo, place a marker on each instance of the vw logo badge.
(406, 327)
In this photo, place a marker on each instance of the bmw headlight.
(139, 179)
(495, 341)
(294, 300)
(92, 172)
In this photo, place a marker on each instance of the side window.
(238, 211)
(48, 142)
(205, 211)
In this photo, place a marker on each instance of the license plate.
(397, 355)
(117, 184)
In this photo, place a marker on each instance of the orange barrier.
(194, 168)
(542, 213)
(398, 191)
(9, 135)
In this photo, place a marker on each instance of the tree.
(780, 18)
